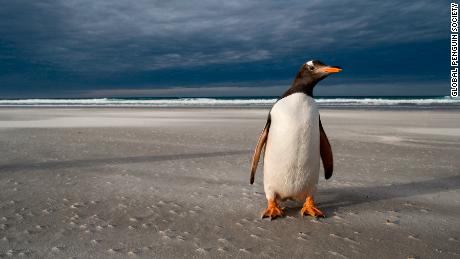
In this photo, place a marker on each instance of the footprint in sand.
(409, 204)
(222, 240)
(347, 239)
(254, 236)
(392, 222)
(201, 250)
(302, 236)
(414, 237)
(24, 253)
(222, 249)
(10, 252)
(146, 225)
(75, 217)
(244, 250)
(217, 227)
(111, 250)
(337, 217)
(76, 205)
(56, 249)
(337, 254)
(453, 239)
(19, 216)
(261, 228)
(176, 205)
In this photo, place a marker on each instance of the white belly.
(292, 154)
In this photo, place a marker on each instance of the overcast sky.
(95, 48)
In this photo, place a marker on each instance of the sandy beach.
(174, 183)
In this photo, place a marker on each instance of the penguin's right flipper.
(326, 152)
(260, 145)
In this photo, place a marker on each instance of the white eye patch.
(310, 63)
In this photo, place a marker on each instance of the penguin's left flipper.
(258, 150)
(326, 152)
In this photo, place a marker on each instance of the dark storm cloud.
(122, 43)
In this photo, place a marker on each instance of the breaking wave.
(233, 102)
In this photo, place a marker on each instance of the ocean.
(184, 102)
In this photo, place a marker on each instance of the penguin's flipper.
(326, 153)
(260, 145)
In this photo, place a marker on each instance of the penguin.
(295, 142)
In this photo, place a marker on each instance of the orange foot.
(272, 211)
(310, 208)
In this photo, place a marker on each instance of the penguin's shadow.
(88, 162)
(332, 199)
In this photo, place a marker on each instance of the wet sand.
(169, 183)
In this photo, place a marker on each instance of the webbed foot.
(273, 210)
(309, 208)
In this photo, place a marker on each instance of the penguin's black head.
(315, 70)
(309, 75)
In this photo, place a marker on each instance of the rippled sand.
(171, 183)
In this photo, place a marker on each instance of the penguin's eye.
(311, 68)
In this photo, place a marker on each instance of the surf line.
(454, 49)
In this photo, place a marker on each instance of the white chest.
(292, 155)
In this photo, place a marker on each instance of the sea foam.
(232, 102)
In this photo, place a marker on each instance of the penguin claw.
(314, 212)
(273, 211)
(309, 208)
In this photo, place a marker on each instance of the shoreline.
(325, 107)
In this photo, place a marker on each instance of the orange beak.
(330, 69)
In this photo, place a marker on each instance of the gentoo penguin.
(294, 141)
